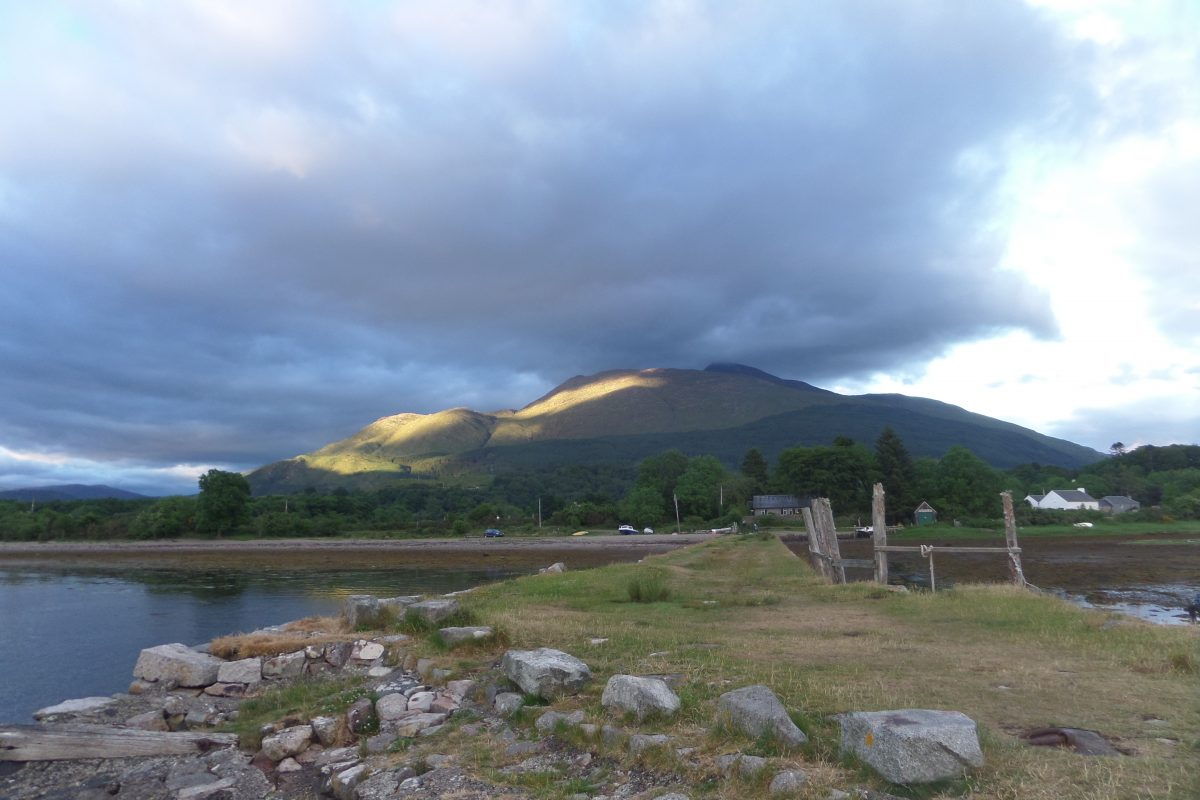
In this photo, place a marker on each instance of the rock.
(518, 749)
(672, 796)
(641, 697)
(612, 736)
(360, 611)
(177, 662)
(288, 765)
(453, 637)
(139, 686)
(343, 782)
(789, 781)
(326, 729)
(507, 703)
(421, 701)
(380, 672)
(912, 745)
(837, 794)
(460, 689)
(338, 653)
(392, 706)
(396, 606)
(749, 766)
(438, 675)
(434, 611)
(79, 705)
(412, 725)
(756, 711)
(247, 670)
(149, 721)
(360, 715)
(379, 743)
(641, 742)
(439, 760)
(549, 721)
(288, 742)
(225, 690)
(545, 672)
(367, 651)
(217, 790)
(444, 704)
(200, 715)
(554, 569)
(174, 705)
(424, 666)
(589, 730)
(288, 665)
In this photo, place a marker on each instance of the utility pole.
(539, 512)
(721, 502)
(675, 497)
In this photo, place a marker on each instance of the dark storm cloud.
(231, 238)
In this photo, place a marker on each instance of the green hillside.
(626, 415)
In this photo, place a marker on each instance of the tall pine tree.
(899, 476)
(754, 467)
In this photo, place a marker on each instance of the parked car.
(648, 531)
(627, 530)
(492, 533)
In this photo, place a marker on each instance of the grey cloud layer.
(234, 243)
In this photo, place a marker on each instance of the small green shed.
(925, 515)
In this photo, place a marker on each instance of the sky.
(232, 232)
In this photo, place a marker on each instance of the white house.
(1034, 500)
(1061, 499)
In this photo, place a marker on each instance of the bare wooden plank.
(824, 516)
(904, 548)
(1010, 536)
(72, 741)
(879, 534)
(815, 551)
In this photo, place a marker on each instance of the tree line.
(703, 491)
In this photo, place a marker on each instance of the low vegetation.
(1011, 659)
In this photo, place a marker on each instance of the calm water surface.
(73, 628)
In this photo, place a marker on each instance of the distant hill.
(69, 491)
(626, 415)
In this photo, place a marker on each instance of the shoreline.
(656, 542)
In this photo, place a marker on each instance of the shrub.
(648, 586)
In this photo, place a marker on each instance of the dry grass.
(1009, 659)
(295, 636)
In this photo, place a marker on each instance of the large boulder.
(361, 611)
(641, 697)
(179, 663)
(288, 665)
(288, 742)
(912, 745)
(434, 611)
(545, 672)
(247, 670)
(756, 711)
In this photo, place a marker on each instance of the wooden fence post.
(1010, 539)
(879, 534)
(815, 551)
(832, 549)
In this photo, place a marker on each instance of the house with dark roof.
(783, 505)
(1118, 504)
(1073, 499)
(1034, 500)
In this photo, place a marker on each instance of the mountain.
(69, 491)
(626, 415)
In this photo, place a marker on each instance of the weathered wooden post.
(832, 549)
(1010, 539)
(879, 534)
(815, 551)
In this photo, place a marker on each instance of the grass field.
(1009, 659)
(742, 610)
